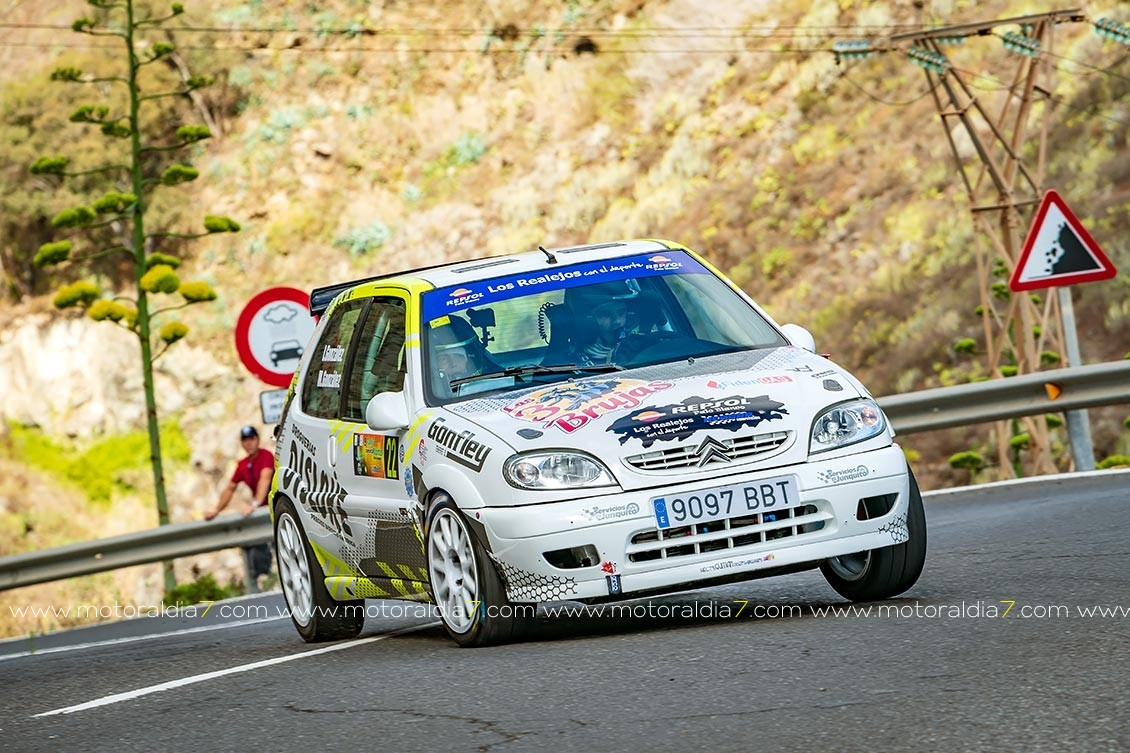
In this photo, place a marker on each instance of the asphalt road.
(930, 677)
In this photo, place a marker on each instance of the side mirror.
(387, 411)
(800, 337)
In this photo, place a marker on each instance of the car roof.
(461, 272)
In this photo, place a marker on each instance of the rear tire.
(316, 615)
(465, 583)
(882, 573)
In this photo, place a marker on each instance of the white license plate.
(721, 502)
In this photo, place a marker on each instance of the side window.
(379, 362)
(321, 390)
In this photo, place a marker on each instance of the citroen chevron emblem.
(711, 449)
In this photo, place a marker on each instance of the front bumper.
(634, 559)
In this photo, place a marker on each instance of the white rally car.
(587, 424)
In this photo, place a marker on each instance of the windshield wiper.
(517, 371)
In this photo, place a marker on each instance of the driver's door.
(369, 467)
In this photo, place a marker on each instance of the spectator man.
(256, 470)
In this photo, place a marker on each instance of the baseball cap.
(247, 432)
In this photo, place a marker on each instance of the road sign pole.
(1078, 421)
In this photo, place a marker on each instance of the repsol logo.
(462, 447)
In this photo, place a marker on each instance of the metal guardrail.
(155, 545)
(926, 410)
(1024, 395)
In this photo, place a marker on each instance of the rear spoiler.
(321, 298)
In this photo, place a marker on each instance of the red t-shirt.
(248, 469)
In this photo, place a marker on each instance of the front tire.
(465, 584)
(882, 573)
(316, 615)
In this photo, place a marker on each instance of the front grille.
(731, 533)
(689, 455)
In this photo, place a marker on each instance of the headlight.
(556, 470)
(846, 424)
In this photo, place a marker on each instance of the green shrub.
(969, 460)
(1009, 371)
(98, 468)
(1020, 441)
(1053, 421)
(1114, 461)
(361, 241)
(204, 588)
(468, 149)
(965, 345)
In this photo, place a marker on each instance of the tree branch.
(125, 298)
(100, 254)
(94, 33)
(178, 93)
(169, 148)
(154, 21)
(96, 170)
(161, 352)
(154, 314)
(126, 327)
(181, 236)
(176, 61)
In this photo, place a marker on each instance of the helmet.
(455, 353)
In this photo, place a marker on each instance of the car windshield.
(568, 321)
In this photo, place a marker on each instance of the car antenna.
(549, 255)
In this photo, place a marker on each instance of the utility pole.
(1003, 187)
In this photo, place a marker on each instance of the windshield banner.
(449, 300)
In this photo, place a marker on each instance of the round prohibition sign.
(273, 332)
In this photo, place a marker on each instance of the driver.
(603, 311)
(455, 354)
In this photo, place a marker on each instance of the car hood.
(676, 419)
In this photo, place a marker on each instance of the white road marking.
(131, 639)
(132, 694)
(1050, 478)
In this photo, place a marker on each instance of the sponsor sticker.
(368, 455)
(841, 476)
(571, 406)
(437, 303)
(611, 513)
(681, 420)
(314, 488)
(615, 587)
(833, 386)
(728, 384)
(731, 564)
(458, 446)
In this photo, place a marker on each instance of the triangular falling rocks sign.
(1058, 251)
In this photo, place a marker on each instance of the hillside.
(354, 138)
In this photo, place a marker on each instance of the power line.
(880, 100)
(438, 50)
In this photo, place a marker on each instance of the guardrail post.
(250, 582)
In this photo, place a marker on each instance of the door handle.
(331, 452)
